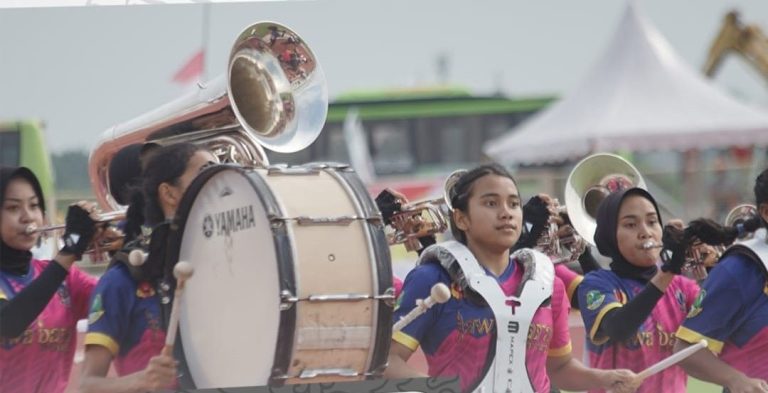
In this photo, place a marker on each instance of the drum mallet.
(182, 271)
(438, 294)
(672, 360)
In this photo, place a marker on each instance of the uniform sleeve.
(82, 285)
(417, 285)
(109, 313)
(720, 306)
(560, 344)
(597, 296)
(570, 279)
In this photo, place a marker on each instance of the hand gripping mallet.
(438, 294)
(182, 271)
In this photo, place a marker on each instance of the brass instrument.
(273, 95)
(738, 215)
(590, 181)
(102, 218)
(561, 248)
(423, 218)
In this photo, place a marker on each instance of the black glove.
(78, 232)
(711, 232)
(388, 205)
(675, 244)
(536, 213)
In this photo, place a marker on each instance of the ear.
(461, 219)
(763, 210)
(167, 194)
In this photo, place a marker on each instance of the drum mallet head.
(183, 270)
(440, 293)
(137, 257)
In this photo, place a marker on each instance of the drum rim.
(380, 351)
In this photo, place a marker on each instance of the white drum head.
(230, 310)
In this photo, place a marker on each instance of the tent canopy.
(639, 96)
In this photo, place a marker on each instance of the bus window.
(9, 148)
(391, 147)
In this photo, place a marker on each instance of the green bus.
(22, 143)
(415, 137)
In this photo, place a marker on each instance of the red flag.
(192, 70)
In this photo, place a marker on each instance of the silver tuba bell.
(590, 181)
(273, 95)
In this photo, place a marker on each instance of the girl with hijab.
(632, 311)
(40, 300)
(457, 336)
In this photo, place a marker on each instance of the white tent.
(639, 96)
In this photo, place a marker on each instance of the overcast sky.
(83, 69)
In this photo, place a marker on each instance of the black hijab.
(12, 260)
(605, 234)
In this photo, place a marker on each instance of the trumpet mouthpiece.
(649, 245)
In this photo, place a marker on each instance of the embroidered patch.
(145, 290)
(680, 299)
(456, 292)
(399, 300)
(97, 310)
(594, 299)
(696, 307)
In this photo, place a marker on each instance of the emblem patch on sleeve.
(696, 307)
(97, 310)
(595, 298)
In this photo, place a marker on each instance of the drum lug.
(287, 299)
(388, 297)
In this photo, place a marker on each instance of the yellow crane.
(735, 37)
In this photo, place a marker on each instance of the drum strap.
(513, 314)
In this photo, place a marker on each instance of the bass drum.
(292, 281)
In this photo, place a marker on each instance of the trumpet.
(102, 218)
(698, 257)
(561, 248)
(423, 218)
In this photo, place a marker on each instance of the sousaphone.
(273, 95)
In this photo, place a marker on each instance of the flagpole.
(204, 39)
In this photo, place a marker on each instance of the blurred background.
(432, 86)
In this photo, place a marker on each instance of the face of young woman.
(495, 217)
(638, 223)
(20, 209)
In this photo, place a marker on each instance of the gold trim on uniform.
(692, 337)
(562, 351)
(572, 287)
(406, 340)
(103, 340)
(598, 320)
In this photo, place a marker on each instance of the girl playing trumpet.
(632, 310)
(40, 301)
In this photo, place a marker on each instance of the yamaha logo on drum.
(229, 221)
(207, 225)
